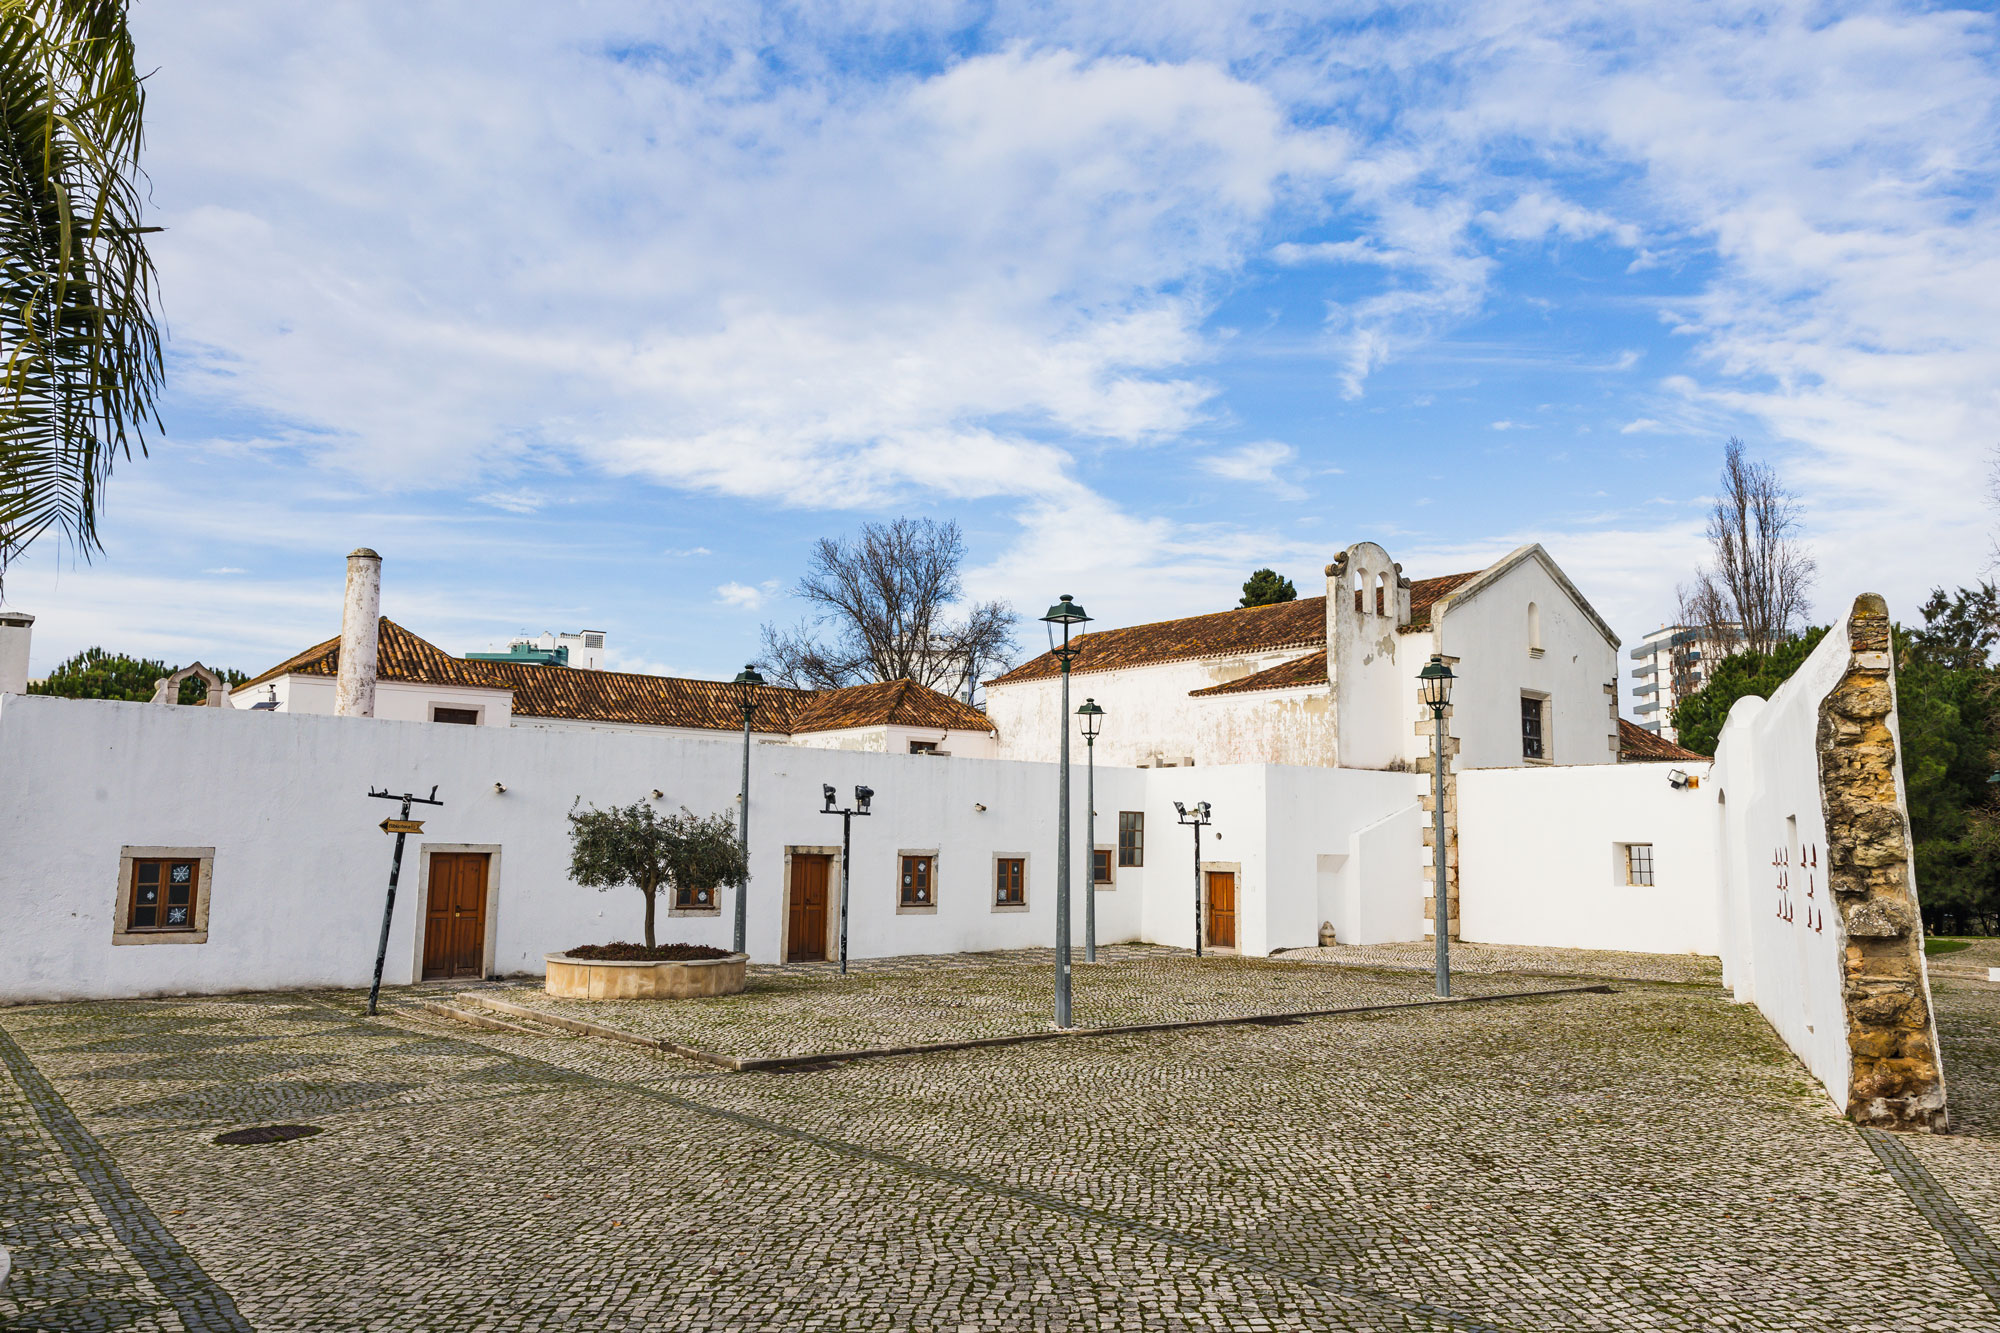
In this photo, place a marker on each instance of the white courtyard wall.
(1541, 859)
(395, 700)
(300, 866)
(1767, 793)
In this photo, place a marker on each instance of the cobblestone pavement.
(1521, 960)
(1650, 1159)
(812, 1009)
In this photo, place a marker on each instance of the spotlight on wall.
(1677, 779)
(658, 794)
(826, 790)
(862, 796)
(980, 808)
(1180, 809)
(499, 788)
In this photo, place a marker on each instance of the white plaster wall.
(1766, 784)
(300, 865)
(1539, 861)
(1386, 888)
(896, 740)
(1488, 633)
(1152, 720)
(395, 701)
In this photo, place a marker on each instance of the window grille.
(1639, 863)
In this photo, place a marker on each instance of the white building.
(1332, 680)
(1674, 661)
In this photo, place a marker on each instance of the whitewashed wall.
(300, 867)
(1152, 719)
(1487, 629)
(1540, 859)
(395, 700)
(896, 739)
(1767, 789)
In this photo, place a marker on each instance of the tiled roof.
(1638, 745)
(648, 701)
(399, 656)
(1249, 629)
(903, 703)
(1307, 670)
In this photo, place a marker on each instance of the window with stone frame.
(166, 894)
(1010, 881)
(918, 886)
(1131, 837)
(697, 899)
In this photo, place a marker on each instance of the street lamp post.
(1065, 613)
(746, 684)
(1434, 681)
(1200, 817)
(1093, 718)
(862, 796)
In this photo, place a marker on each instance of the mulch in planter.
(639, 953)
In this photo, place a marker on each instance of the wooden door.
(1222, 909)
(455, 921)
(806, 937)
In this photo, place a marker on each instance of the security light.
(862, 796)
(1180, 809)
(826, 790)
(1203, 807)
(1677, 779)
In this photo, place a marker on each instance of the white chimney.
(360, 628)
(16, 628)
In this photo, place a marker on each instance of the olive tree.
(636, 845)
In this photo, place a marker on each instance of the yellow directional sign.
(402, 826)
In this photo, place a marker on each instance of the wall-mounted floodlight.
(826, 790)
(1180, 809)
(1677, 779)
(862, 796)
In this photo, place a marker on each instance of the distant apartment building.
(1673, 661)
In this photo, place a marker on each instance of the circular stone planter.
(602, 979)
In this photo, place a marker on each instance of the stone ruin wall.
(1896, 1080)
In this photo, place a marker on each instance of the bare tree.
(883, 604)
(1754, 592)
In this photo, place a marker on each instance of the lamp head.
(1677, 778)
(862, 796)
(1066, 612)
(1203, 807)
(1092, 717)
(826, 790)
(1180, 809)
(1434, 682)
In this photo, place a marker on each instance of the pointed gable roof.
(399, 656)
(1638, 745)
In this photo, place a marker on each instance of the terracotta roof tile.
(1300, 671)
(399, 655)
(584, 695)
(1638, 745)
(902, 703)
(1295, 624)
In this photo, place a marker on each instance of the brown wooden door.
(1222, 909)
(806, 937)
(455, 922)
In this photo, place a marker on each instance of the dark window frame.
(161, 902)
(1132, 837)
(1010, 881)
(459, 717)
(1102, 864)
(687, 899)
(919, 890)
(1534, 727)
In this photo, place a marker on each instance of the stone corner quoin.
(1895, 1079)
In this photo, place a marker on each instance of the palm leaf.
(79, 346)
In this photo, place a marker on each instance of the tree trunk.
(651, 896)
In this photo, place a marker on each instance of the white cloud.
(1266, 463)
(686, 552)
(518, 501)
(745, 596)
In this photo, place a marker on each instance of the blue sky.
(597, 315)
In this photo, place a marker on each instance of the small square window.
(463, 717)
(1131, 837)
(918, 886)
(1010, 887)
(923, 747)
(1639, 863)
(697, 899)
(1100, 866)
(162, 894)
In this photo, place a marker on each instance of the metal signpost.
(862, 796)
(402, 826)
(1196, 820)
